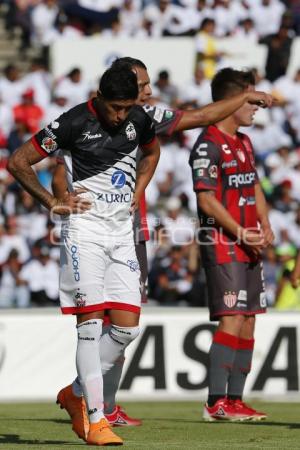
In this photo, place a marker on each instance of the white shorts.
(97, 276)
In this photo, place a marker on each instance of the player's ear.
(99, 94)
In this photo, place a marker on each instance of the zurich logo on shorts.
(118, 179)
(133, 265)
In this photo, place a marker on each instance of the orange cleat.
(100, 433)
(76, 408)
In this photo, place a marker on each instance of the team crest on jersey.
(130, 132)
(230, 299)
(79, 299)
(49, 144)
(213, 171)
(241, 155)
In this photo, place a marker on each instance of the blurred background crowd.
(31, 98)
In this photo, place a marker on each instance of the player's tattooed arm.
(145, 170)
(20, 166)
(216, 111)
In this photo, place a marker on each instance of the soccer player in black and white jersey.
(99, 268)
(166, 122)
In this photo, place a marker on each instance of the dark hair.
(119, 83)
(127, 61)
(229, 81)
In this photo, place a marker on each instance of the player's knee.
(123, 335)
(89, 331)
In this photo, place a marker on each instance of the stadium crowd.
(29, 238)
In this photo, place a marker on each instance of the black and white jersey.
(100, 160)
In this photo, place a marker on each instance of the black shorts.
(235, 288)
(141, 254)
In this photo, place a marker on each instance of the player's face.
(244, 116)
(143, 80)
(115, 112)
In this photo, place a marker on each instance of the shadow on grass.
(15, 439)
(291, 425)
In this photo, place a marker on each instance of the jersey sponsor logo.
(54, 124)
(118, 179)
(49, 144)
(201, 163)
(49, 133)
(130, 132)
(263, 300)
(249, 201)
(79, 299)
(200, 150)
(242, 295)
(158, 115)
(226, 149)
(230, 299)
(114, 198)
(133, 265)
(238, 179)
(241, 155)
(169, 114)
(88, 136)
(213, 171)
(75, 262)
(229, 164)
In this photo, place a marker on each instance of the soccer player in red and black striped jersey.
(166, 122)
(234, 229)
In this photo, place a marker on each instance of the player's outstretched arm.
(19, 165)
(217, 111)
(145, 170)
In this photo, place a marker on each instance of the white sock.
(76, 388)
(113, 344)
(111, 381)
(89, 367)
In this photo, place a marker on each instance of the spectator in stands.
(75, 89)
(271, 274)
(267, 15)
(28, 112)
(197, 90)
(11, 86)
(178, 225)
(41, 275)
(43, 19)
(206, 47)
(287, 298)
(168, 92)
(13, 289)
(40, 80)
(246, 30)
(12, 239)
(171, 279)
(278, 56)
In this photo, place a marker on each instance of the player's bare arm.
(211, 206)
(20, 166)
(295, 275)
(59, 183)
(145, 170)
(262, 212)
(217, 111)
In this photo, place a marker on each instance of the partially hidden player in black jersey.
(98, 267)
(166, 122)
(234, 229)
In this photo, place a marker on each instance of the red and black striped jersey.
(225, 164)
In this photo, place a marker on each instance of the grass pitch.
(166, 426)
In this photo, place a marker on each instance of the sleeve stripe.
(179, 114)
(149, 143)
(38, 147)
(204, 187)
